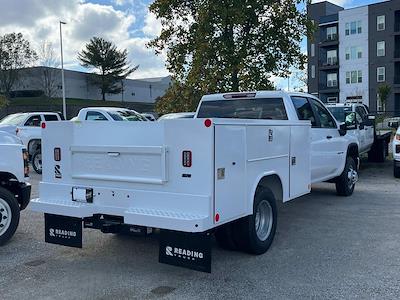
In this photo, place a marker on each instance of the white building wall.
(78, 85)
(353, 40)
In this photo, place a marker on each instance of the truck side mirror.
(343, 129)
(350, 120)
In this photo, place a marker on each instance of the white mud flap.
(62, 230)
(188, 250)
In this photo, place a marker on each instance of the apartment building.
(355, 51)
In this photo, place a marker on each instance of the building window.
(380, 48)
(332, 80)
(353, 77)
(381, 74)
(331, 33)
(312, 71)
(380, 23)
(331, 57)
(312, 50)
(353, 53)
(353, 28)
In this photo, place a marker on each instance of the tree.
(15, 53)
(49, 75)
(111, 65)
(229, 45)
(384, 91)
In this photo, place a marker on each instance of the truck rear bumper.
(170, 211)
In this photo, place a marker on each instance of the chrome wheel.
(352, 177)
(37, 162)
(263, 220)
(5, 216)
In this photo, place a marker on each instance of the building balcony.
(324, 89)
(332, 40)
(327, 20)
(330, 64)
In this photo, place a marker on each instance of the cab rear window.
(260, 108)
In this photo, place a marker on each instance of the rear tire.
(9, 215)
(37, 161)
(396, 171)
(225, 237)
(254, 234)
(346, 182)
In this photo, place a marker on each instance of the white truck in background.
(396, 153)
(14, 190)
(108, 114)
(27, 127)
(221, 172)
(370, 140)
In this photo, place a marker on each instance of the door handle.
(113, 154)
(329, 137)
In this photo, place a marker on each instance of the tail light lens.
(25, 157)
(397, 148)
(57, 154)
(397, 137)
(187, 158)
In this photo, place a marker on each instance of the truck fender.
(270, 180)
(352, 151)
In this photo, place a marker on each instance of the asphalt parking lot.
(325, 247)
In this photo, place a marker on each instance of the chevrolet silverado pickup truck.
(14, 189)
(396, 154)
(221, 172)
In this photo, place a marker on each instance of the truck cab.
(363, 130)
(14, 188)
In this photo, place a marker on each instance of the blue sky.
(127, 23)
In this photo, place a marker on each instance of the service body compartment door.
(230, 176)
(300, 169)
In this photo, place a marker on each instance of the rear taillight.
(57, 154)
(25, 157)
(187, 159)
(397, 137)
(397, 148)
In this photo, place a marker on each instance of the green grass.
(41, 101)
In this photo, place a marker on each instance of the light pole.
(62, 73)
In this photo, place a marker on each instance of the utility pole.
(62, 73)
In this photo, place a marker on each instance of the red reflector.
(187, 159)
(207, 123)
(216, 217)
(43, 125)
(57, 154)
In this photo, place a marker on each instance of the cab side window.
(33, 121)
(361, 111)
(95, 116)
(304, 110)
(325, 119)
(50, 118)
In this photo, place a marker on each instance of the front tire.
(346, 182)
(254, 234)
(9, 215)
(37, 161)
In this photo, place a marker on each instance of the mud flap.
(188, 250)
(62, 230)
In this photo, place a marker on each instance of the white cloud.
(84, 20)
(152, 26)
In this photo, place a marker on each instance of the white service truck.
(221, 172)
(370, 140)
(15, 191)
